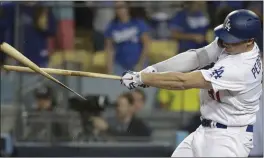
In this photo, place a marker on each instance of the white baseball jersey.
(236, 81)
(258, 132)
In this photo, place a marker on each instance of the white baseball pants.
(216, 142)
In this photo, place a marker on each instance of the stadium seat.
(180, 100)
(210, 36)
(162, 50)
(99, 62)
(159, 50)
(81, 57)
(99, 59)
(83, 39)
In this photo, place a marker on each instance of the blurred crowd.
(124, 33)
(115, 37)
(94, 126)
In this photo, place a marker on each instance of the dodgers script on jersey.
(236, 81)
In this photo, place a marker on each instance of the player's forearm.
(175, 80)
(167, 80)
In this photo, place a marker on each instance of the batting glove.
(131, 79)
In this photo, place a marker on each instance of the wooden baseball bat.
(12, 52)
(62, 72)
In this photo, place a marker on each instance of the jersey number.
(213, 95)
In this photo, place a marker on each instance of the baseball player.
(230, 90)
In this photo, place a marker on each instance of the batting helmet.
(239, 25)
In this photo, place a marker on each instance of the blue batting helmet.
(239, 25)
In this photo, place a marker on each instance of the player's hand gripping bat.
(12, 52)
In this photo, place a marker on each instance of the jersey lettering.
(217, 73)
(128, 34)
(256, 68)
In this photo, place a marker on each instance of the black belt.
(208, 123)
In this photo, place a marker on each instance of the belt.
(209, 123)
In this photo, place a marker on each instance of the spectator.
(214, 6)
(256, 7)
(221, 14)
(159, 25)
(102, 17)
(190, 26)
(6, 27)
(44, 99)
(45, 104)
(139, 98)
(37, 23)
(126, 124)
(81, 12)
(126, 41)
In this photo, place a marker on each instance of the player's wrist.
(138, 78)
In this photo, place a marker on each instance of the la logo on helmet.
(227, 25)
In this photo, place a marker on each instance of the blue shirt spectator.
(6, 25)
(37, 23)
(190, 27)
(213, 7)
(160, 26)
(126, 41)
(35, 38)
(102, 17)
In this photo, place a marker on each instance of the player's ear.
(250, 42)
(220, 43)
